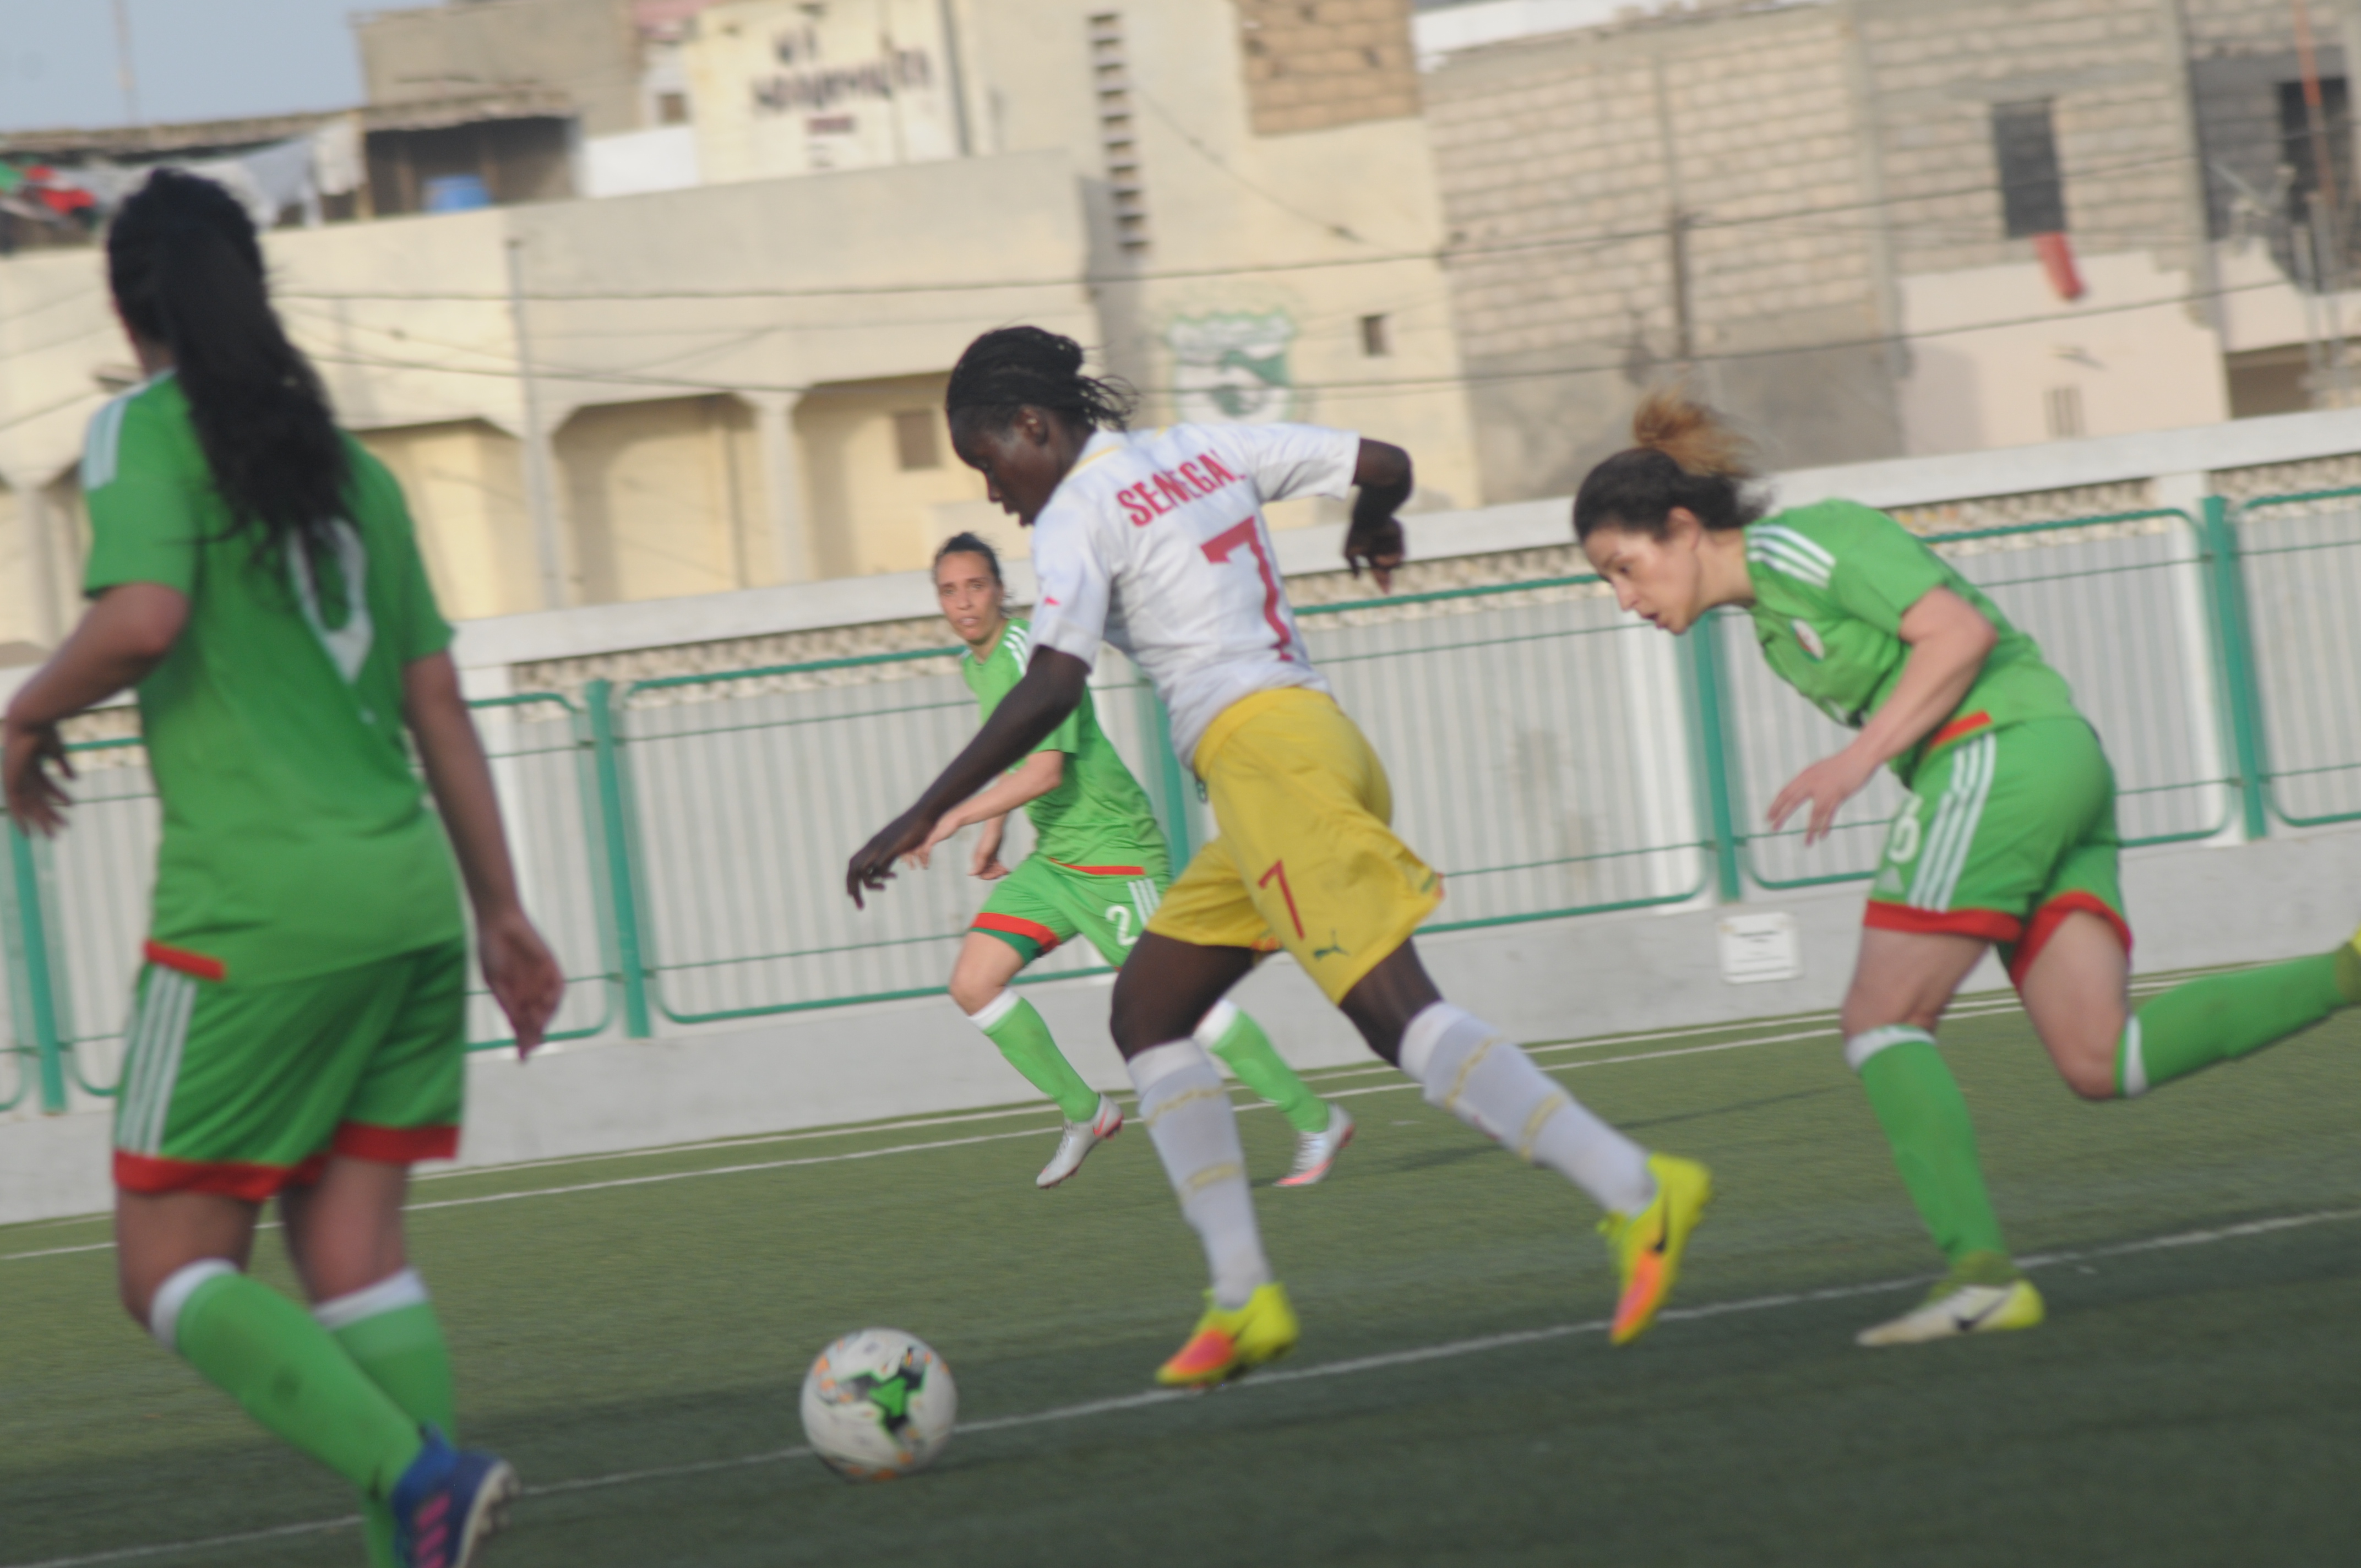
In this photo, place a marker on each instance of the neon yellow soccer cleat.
(1648, 1245)
(1983, 1294)
(1231, 1345)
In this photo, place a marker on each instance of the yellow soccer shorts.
(1306, 859)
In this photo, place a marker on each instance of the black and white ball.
(878, 1404)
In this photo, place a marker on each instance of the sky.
(195, 60)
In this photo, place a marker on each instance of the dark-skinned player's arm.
(126, 633)
(1381, 477)
(1052, 688)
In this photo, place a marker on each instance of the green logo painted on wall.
(1230, 368)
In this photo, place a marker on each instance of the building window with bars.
(1118, 130)
(2032, 186)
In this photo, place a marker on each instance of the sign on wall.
(1231, 369)
(784, 87)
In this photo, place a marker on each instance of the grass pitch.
(632, 1331)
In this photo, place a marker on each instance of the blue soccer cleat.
(449, 1502)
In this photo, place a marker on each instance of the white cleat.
(1081, 1138)
(1963, 1309)
(1315, 1153)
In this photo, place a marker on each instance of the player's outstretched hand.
(872, 868)
(37, 801)
(1376, 542)
(523, 975)
(1827, 784)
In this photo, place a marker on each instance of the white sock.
(164, 1307)
(390, 1294)
(1196, 1134)
(1474, 1071)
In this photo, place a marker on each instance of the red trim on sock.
(1966, 724)
(1990, 924)
(1017, 926)
(1100, 871)
(187, 962)
(396, 1146)
(2052, 914)
(229, 1178)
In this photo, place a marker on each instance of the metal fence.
(683, 840)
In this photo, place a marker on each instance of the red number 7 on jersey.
(1219, 549)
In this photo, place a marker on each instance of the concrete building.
(1882, 227)
(739, 383)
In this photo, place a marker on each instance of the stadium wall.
(2217, 900)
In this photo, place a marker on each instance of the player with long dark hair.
(1099, 867)
(1157, 543)
(2007, 835)
(299, 1029)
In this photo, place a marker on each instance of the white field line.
(1397, 1086)
(1384, 1360)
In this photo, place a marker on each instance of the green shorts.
(245, 1089)
(2004, 834)
(1044, 901)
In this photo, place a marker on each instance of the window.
(914, 441)
(2032, 188)
(2300, 150)
(2062, 408)
(672, 108)
(1377, 337)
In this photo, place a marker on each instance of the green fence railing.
(682, 839)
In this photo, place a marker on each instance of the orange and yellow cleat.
(1648, 1245)
(1230, 1345)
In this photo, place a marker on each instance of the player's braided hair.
(1014, 367)
(186, 269)
(972, 544)
(1686, 456)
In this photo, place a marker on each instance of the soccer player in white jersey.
(1157, 543)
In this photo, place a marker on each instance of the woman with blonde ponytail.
(2007, 835)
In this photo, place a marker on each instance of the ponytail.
(186, 269)
(1015, 367)
(1686, 456)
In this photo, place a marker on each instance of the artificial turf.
(2197, 1403)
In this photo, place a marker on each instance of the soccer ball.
(879, 1404)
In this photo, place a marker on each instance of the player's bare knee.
(973, 993)
(2089, 1071)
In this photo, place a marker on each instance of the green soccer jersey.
(1098, 816)
(1832, 582)
(296, 840)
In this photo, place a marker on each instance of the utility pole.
(2320, 202)
(126, 78)
(541, 493)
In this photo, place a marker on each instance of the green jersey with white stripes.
(1832, 581)
(296, 838)
(1098, 816)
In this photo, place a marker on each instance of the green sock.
(392, 1334)
(1918, 1103)
(291, 1375)
(2225, 1016)
(1240, 1041)
(1011, 1022)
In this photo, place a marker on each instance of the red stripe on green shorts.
(1966, 724)
(1017, 926)
(2052, 914)
(1990, 924)
(229, 1178)
(1100, 871)
(185, 962)
(396, 1146)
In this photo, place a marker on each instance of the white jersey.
(1155, 542)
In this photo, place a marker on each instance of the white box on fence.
(1756, 948)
